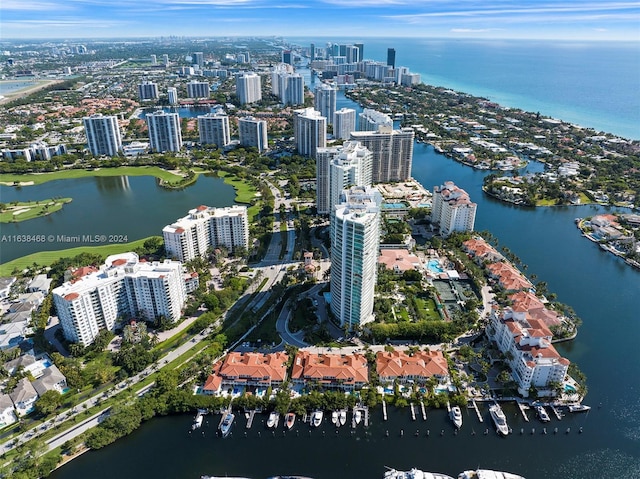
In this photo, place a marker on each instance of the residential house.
(51, 379)
(247, 369)
(24, 397)
(508, 277)
(7, 413)
(416, 367)
(334, 371)
(481, 251)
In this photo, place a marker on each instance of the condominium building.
(370, 120)
(248, 88)
(337, 169)
(452, 209)
(147, 90)
(123, 288)
(253, 132)
(172, 95)
(325, 100)
(103, 135)
(164, 131)
(198, 59)
(198, 89)
(206, 227)
(288, 86)
(279, 70)
(214, 129)
(309, 131)
(392, 152)
(344, 122)
(526, 343)
(355, 236)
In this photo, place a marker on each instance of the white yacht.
(579, 408)
(456, 416)
(542, 414)
(414, 474)
(499, 419)
(273, 419)
(342, 417)
(334, 418)
(357, 416)
(487, 474)
(316, 418)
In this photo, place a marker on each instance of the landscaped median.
(46, 258)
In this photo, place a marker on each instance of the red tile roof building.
(247, 369)
(509, 278)
(535, 362)
(481, 251)
(526, 305)
(399, 260)
(336, 371)
(417, 367)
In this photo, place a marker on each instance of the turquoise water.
(569, 388)
(434, 266)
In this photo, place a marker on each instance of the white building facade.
(452, 209)
(370, 120)
(355, 236)
(123, 287)
(213, 129)
(198, 89)
(148, 90)
(325, 100)
(248, 88)
(206, 227)
(103, 135)
(344, 122)
(309, 131)
(172, 95)
(164, 131)
(253, 132)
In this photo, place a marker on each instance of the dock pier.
(424, 412)
(557, 412)
(475, 406)
(413, 412)
(523, 409)
(252, 414)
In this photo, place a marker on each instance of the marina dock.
(252, 414)
(475, 406)
(424, 412)
(523, 409)
(557, 412)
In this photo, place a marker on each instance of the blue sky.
(544, 19)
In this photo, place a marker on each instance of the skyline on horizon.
(462, 19)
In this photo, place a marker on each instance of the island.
(26, 210)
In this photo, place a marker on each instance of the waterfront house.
(411, 368)
(24, 397)
(241, 370)
(332, 371)
(525, 304)
(481, 251)
(526, 343)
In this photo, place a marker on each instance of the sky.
(533, 19)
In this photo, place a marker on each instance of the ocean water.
(593, 84)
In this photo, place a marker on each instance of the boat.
(227, 421)
(499, 419)
(273, 419)
(357, 416)
(197, 422)
(487, 474)
(334, 418)
(579, 408)
(316, 418)
(456, 416)
(413, 474)
(542, 414)
(342, 417)
(289, 420)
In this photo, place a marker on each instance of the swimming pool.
(434, 266)
(569, 388)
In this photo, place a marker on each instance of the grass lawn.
(428, 309)
(39, 178)
(245, 192)
(45, 258)
(26, 210)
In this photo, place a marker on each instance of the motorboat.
(499, 419)
(342, 417)
(334, 418)
(273, 419)
(227, 421)
(197, 422)
(316, 418)
(579, 408)
(456, 416)
(357, 416)
(541, 412)
(414, 474)
(487, 474)
(289, 420)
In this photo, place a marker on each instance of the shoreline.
(26, 91)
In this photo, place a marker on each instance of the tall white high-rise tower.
(103, 135)
(325, 100)
(164, 131)
(248, 88)
(310, 131)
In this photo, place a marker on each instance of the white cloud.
(27, 5)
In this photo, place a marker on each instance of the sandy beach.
(31, 88)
